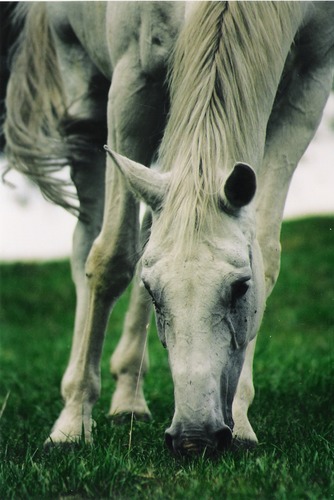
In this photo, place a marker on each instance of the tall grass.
(293, 412)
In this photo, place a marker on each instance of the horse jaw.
(148, 185)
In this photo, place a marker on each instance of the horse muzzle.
(194, 442)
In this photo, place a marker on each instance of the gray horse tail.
(36, 108)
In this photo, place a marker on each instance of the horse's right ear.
(149, 185)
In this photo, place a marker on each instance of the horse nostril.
(223, 438)
(186, 444)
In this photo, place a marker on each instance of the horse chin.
(192, 443)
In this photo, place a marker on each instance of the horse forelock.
(219, 71)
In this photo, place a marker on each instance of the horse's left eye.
(147, 286)
(239, 289)
(155, 304)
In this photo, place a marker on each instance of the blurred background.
(33, 229)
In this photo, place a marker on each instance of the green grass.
(293, 412)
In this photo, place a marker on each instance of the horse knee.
(245, 393)
(271, 276)
(108, 274)
(272, 259)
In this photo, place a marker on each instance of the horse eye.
(239, 289)
(148, 289)
(155, 304)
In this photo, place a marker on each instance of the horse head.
(208, 305)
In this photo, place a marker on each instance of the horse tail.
(7, 40)
(36, 108)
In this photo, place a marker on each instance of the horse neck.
(226, 69)
(227, 66)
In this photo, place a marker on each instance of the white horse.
(248, 84)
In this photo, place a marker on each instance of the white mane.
(222, 64)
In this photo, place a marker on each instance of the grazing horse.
(247, 84)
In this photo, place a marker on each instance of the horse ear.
(240, 186)
(149, 185)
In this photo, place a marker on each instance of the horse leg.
(129, 362)
(84, 130)
(243, 431)
(90, 187)
(133, 120)
(290, 130)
